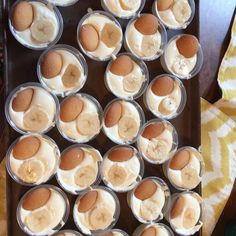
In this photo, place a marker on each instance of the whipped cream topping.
(177, 15)
(98, 21)
(123, 8)
(164, 106)
(126, 86)
(159, 148)
(177, 63)
(83, 175)
(62, 3)
(70, 129)
(55, 84)
(115, 233)
(41, 12)
(40, 167)
(68, 234)
(45, 220)
(105, 204)
(144, 46)
(43, 102)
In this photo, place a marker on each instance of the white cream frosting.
(172, 101)
(116, 8)
(67, 177)
(177, 63)
(105, 199)
(41, 12)
(70, 129)
(115, 233)
(116, 82)
(47, 156)
(99, 21)
(55, 207)
(62, 3)
(56, 83)
(145, 46)
(42, 100)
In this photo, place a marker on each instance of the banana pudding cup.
(79, 168)
(67, 233)
(185, 169)
(123, 8)
(80, 118)
(149, 200)
(153, 229)
(183, 56)
(185, 213)
(99, 35)
(123, 121)
(43, 210)
(165, 97)
(122, 168)
(157, 141)
(145, 37)
(126, 76)
(114, 232)
(174, 14)
(32, 159)
(31, 109)
(96, 210)
(62, 70)
(35, 24)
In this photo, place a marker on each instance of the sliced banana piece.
(88, 124)
(190, 218)
(132, 83)
(31, 171)
(111, 35)
(36, 119)
(190, 177)
(71, 76)
(182, 11)
(168, 106)
(38, 221)
(127, 127)
(85, 176)
(100, 218)
(150, 209)
(150, 46)
(43, 30)
(129, 4)
(117, 175)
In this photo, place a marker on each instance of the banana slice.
(129, 4)
(71, 76)
(43, 30)
(85, 176)
(149, 209)
(31, 171)
(168, 106)
(127, 127)
(100, 218)
(36, 119)
(131, 83)
(38, 221)
(190, 178)
(182, 11)
(150, 46)
(117, 175)
(190, 218)
(111, 35)
(88, 124)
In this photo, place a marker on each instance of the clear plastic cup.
(184, 25)
(78, 190)
(9, 112)
(197, 154)
(174, 146)
(139, 230)
(117, 231)
(82, 138)
(131, 166)
(158, 99)
(43, 45)
(162, 32)
(132, 205)
(78, 56)
(10, 160)
(61, 4)
(119, 140)
(52, 230)
(194, 71)
(129, 96)
(70, 232)
(110, 17)
(83, 228)
(198, 224)
(122, 16)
